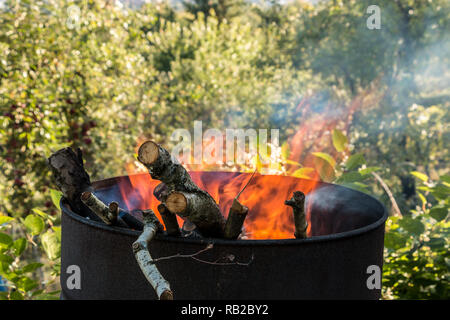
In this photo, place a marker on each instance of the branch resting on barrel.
(184, 197)
(297, 202)
(109, 215)
(236, 217)
(144, 259)
(71, 178)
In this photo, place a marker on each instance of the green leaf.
(326, 172)
(34, 224)
(436, 243)
(394, 241)
(440, 191)
(31, 267)
(5, 240)
(339, 140)
(411, 225)
(19, 246)
(351, 176)
(56, 197)
(6, 259)
(422, 198)
(51, 244)
(26, 284)
(5, 219)
(356, 185)
(445, 178)
(40, 213)
(57, 232)
(304, 173)
(326, 157)
(420, 175)
(355, 161)
(439, 213)
(368, 170)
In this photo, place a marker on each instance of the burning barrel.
(345, 242)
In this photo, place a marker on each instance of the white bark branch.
(145, 260)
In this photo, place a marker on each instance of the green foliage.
(120, 75)
(417, 252)
(17, 267)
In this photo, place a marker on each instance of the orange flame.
(269, 217)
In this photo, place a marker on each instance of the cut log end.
(166, 295)
(176, 202)
(148, 152)
(114, 207)
(85, 196)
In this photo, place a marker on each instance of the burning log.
(131, 221)
(71, 178)
(297, 202)
(184, 197)
(170, 221)
(109, 215)
(235, 221)
(145, 260)
(200, 209)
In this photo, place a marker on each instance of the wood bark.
(71, 179)
(297, 202)
(131, 221)
(170, 221)
(160, 192)
(199, 207)
(110, 217)
(235, 220)
(145, 260)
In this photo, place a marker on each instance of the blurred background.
(367, 108)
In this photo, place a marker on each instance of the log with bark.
(102, 210)
(170, 221)
(72, 179)
(129, 219)
(184, 197)
(235, 220)
(145, 260)
(297, 202)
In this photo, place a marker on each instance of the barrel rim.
(252, 242)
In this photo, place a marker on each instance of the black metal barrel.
(347, 238)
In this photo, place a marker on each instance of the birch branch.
(184, 197)
(144, 259)
(102, 210)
